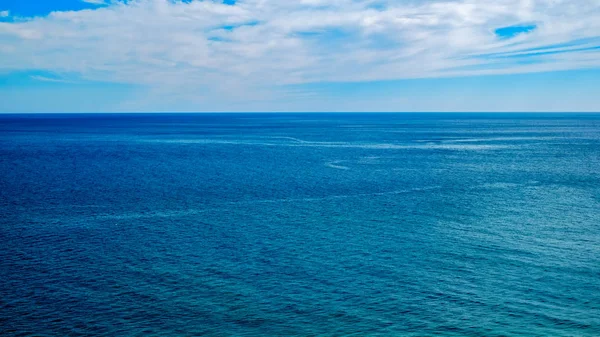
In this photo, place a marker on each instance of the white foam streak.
(334, 164)
(223, 208)
(301, 143)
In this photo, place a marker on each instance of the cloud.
(95, 2)
(48, 79)
(4, 14)
(246, 50)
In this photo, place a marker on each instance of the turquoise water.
(300, 224)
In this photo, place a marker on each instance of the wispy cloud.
(49, 79)
(4, 14)
(246, 50)
(95, 2)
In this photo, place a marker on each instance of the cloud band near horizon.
(249, 50)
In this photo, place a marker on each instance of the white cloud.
(48, 79)
(204, 49)
(95, 2)
(4, 14)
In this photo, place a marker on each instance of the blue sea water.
(300, 225)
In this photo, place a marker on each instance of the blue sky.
(30, 8)
(306, 55)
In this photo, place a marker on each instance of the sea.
(292, 224)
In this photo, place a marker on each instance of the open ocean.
(300, 225)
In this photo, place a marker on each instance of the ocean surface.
(300, 225)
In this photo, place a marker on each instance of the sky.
(303, 55)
